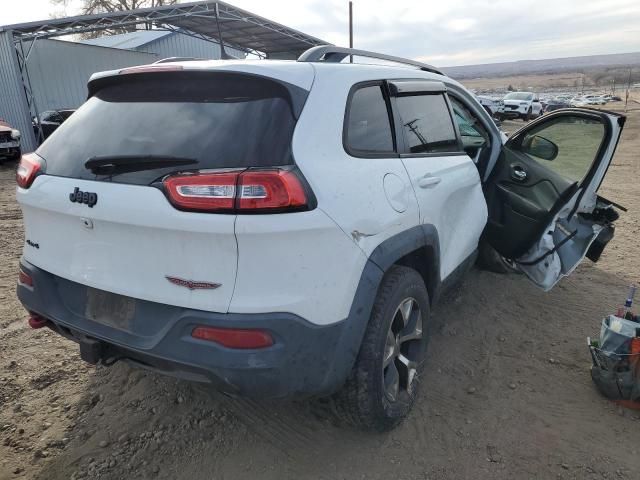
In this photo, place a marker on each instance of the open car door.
(544, 213)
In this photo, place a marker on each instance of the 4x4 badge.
(192, 285)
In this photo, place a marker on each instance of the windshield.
(519, 96)
(220, 120)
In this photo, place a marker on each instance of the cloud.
(459, 32)
(460, 24)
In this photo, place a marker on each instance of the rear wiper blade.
(112, 164)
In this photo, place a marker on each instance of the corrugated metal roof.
(240, 28)
(129, 40)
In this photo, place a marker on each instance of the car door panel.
(541, 214)
(522, 197)
(455, 205)
(445, 180)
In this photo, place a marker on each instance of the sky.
(440, 32)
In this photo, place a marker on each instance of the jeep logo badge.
(88, 198)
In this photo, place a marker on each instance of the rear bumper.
(305, 359)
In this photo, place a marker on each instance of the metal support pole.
(350, 30)
(26, 83)
(626, 97)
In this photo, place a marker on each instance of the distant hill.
(551, 65)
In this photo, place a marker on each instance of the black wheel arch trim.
(383, 257)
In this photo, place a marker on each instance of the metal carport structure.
(238, 28)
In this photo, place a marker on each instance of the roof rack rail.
(332, 54)
(176, 59)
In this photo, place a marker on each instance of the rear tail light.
(205, 192)
(31, 165)
(270, 189)
(25, 279)
(242, 191)
(234, 337)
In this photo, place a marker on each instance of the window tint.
(368, 126)
(568, 145)
(221, 120)
(427, 124)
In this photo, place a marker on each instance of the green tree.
(90, 7)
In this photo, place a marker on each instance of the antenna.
(223, 54)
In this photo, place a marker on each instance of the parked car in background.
(524, 105)
(495, 106)
(579, 101)
(594, 99)
(50, 120)
(9, 142)
(555, 104)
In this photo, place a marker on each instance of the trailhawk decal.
(193, 285)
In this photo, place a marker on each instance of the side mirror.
(540, 147)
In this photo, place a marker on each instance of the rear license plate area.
(110, 309)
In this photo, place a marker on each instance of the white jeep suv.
(282, 228)
(524, 105)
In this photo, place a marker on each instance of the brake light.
(270, 189)
(237, 338)
(31, 165)
(150, 68)
(273, 190)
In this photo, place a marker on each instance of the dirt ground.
(506, 394)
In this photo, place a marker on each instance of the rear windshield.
(220, 120)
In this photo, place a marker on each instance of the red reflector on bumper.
(25, 279)
(234, 337)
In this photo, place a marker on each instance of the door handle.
(428, 181)
(519, 173)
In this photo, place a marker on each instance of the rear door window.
(220, 120)
(368, 127)
(472, 133)
(427, 124)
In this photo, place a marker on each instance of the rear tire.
(381, 389)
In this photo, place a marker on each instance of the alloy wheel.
(402, 350)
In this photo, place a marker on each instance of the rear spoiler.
(98, 81)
